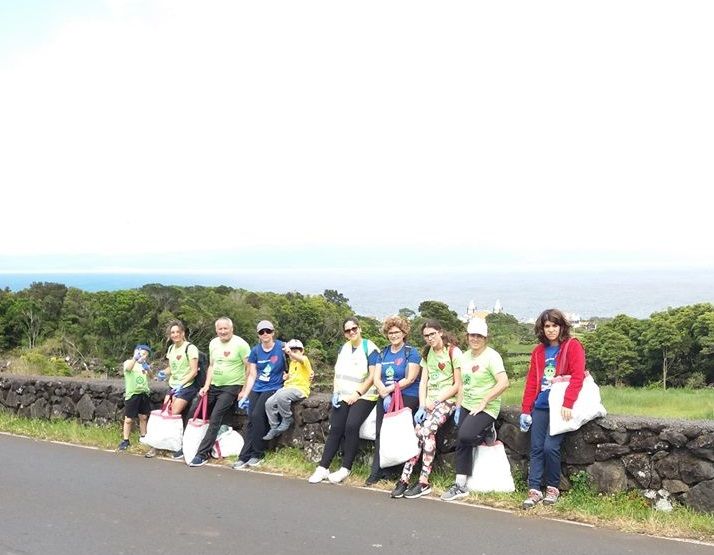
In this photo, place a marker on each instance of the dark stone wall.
(675, 457)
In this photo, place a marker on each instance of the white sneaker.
(339, 475)
(319, 475)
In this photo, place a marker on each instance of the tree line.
(64, 330)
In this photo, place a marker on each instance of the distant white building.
(473, 312)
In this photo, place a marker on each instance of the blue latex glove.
(420, 416)
(386, 402)
(526, 420)
(146, 368)
(137, 355)
(176, 389)
(161, 375)
(457, 415)
(336, 400)
(244, 404)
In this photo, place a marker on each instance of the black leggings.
(472, 430)
(220, 403)
(409, 401)
(257, 427)
(344, 428)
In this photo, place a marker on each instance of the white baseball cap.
(295, 344)
(477, 325)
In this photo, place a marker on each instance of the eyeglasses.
(352, 330)
(263, 332)
(395, 332)
(429, 335)
(476, 336)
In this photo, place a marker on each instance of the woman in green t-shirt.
(483, 380)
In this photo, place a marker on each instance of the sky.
(157, 133)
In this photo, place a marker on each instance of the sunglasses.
(263, 332)
(352, 330)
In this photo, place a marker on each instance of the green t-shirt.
(441, 371)
(179, 362)
(228, 360)
(135, 380)
(479, 376)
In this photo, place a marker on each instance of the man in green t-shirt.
(225, 377)
(136, 393)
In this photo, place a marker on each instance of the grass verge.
(626, 511)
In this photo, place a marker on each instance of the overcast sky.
(534, 129)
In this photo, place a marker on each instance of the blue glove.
(457, 415)
(137, 355)
(420, 416)
(161, 375)
(244, 404)
(336, 400)
(526, 420)
(386, 402)
(176, 389)
(146, 367)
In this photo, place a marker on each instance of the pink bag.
(397, 439)
(164, 429)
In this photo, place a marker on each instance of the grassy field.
(627, 511)
(689, 404)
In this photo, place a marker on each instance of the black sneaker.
(399, 489)
(124, 445)
(198, 460)
(177, 454)
(373, 479)
(417, 490)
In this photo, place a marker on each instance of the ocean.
(378, 293)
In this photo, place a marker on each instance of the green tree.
(611, 355)
(664, 341)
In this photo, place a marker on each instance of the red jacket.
(573, 364)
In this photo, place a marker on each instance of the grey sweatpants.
(281, 404)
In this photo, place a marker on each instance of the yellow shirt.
(299, 376)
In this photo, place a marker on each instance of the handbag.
(195, 430)
(229, 442)
(164, 429)
(491, 470)
(368, 429)
(398, 441)
(587, 406)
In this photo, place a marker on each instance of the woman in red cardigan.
(557, 355)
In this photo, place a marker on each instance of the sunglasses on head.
(351, 330)
(264, 331)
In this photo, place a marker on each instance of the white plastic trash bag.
(587, 407)
(397, 439)
(195, 431)
(368, 429)
(491, 470)
(228, 442)
(164, 429)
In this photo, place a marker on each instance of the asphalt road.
(58, 499)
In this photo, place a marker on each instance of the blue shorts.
(188, 393)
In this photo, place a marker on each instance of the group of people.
(438, 383)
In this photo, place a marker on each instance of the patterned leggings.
(426, 432)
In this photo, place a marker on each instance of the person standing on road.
(267, 366)
(483, 378)
(439, 386)
(225, 377)
(353, 398)
(548, 360)
(136, 393)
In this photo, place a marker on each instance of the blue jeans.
(545, 452)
